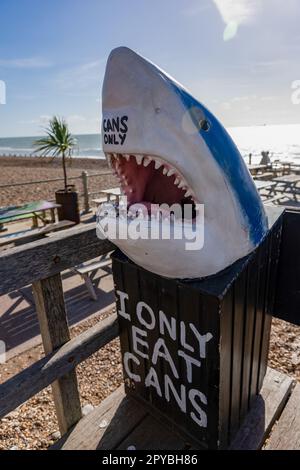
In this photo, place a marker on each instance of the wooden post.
(52, 211)
(85, 176)
(35, 223)
(50, 306)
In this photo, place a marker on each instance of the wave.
(283, 143)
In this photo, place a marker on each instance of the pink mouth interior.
(148, 185)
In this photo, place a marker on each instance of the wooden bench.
(271, 200)
(99, 200)
(33, 234)
(34, 210)
(264, 176)
(120, 422)
(85, 271)
(111, 194)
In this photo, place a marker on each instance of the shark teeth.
(115, 163)
(139, 159)
(188, 193)
(147, 160)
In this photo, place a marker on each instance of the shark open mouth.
(151, 182)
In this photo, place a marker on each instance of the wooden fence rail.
(52, 180)
(40, 259)
(40, 263)
(85, 194)
(43, 373)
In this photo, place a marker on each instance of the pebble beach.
(25, 169)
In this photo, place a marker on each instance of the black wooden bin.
(196, 351)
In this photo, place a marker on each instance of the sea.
(282, 141)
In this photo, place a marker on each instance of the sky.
(240, 58)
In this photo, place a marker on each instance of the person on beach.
(265, 158)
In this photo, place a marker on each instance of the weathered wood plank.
(42, 373)
(120, 422)
(35, 233)
(50, 305)
(286, 433)
(49, 256)
(240, 292)
(106, 426)
(225, 361)
(151, 435)
(51, 311)
(249, 319)
(265, 409)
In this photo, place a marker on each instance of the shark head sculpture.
(166, 147)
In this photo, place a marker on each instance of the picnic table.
(264, 184)
(110, 193)
(283, 167)
(254, 169)
(270, 187)
(290, 180)
(25, 236)
(35, 210)
(288, 184)
(295, 168)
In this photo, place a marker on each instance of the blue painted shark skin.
(228, 157)
(158, 119)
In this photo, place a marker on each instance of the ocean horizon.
(88, 146)
(282, 141)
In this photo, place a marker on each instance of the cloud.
(44, 119)
(75, 118)
(226, 105)
(78, 123)
(238, 99)
(269, 98)
(236, 12)
(40, 121)
(83, 124)
(26, 63)
(82, 76)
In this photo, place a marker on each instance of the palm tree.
(58, 142)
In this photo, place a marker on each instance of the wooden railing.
(40, 263)
(84, 177)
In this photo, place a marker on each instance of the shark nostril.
(204, 125)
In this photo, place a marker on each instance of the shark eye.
(204, 125)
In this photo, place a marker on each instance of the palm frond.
(58, 138)
(57, 142)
